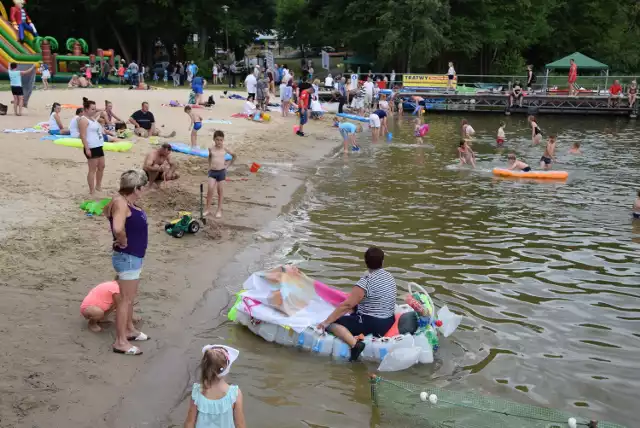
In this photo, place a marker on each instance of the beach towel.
(23, 131)
(28, 81)
(236, 97)
(239, 115)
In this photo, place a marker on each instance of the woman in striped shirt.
(369, 308)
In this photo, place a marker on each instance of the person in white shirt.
(249, 109)
(451, 73)
(328, 81)
(251, 83)
(368, 93)
(215, 73)
(392, 78)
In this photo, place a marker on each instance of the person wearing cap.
(159, 166)
(215, 403)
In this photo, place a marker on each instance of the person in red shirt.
(615, 92)
(303, 105)
(573, 76)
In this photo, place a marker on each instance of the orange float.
(551, 175)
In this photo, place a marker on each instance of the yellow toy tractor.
(185, 223)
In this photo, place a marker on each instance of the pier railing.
(543, 82)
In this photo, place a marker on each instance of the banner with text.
(428, 81)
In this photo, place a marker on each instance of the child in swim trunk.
(416, 130)
(515, 164)
(500, 137)
(99, 303)
(195, 125)
(374, 124)
(348, 132)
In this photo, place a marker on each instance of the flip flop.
(141, 337)
(131, 351)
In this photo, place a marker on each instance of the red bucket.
(255, 167)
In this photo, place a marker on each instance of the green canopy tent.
(583, 62)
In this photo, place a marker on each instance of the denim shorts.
(128, 267)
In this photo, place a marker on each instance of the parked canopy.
(583, 62)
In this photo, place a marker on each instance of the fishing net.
(401, 403)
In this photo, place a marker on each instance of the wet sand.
(54, 372)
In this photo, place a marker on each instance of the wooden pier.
(543, 103)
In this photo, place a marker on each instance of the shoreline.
(57, 373)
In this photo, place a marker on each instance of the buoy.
(433, 398)
(572, 423)
(296, 128)
(423, 396)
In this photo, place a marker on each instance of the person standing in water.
(465, 154)
(500, 138)
(549, 153)
(536, 133)
(467, 132)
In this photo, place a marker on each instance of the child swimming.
(465, 154)
(195, 124)
(500, 137)
(575, 149)
(515, 164)
(549, 153)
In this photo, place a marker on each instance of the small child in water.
(549, 153)
(217, 170)
(465, 154)
(348, 132)
(500, 137)
(515, 164)
(416, 130)
(195, 123)
(215, 403)
(575, 149)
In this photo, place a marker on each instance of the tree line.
(480, 36)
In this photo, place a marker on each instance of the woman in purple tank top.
(130, 237)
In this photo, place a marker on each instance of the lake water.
(546, 274)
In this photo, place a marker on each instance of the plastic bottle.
(432, 338)
(426, 352)
(323, 344)
(381, 348)
(402, 341)
(369, 352)
(243, 318)
(307, 338)
(341, 350)
(268, 331)
(286, 336)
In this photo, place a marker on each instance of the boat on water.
(260, 307)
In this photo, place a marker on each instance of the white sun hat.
(232, 355)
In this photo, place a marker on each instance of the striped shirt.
(379, 294)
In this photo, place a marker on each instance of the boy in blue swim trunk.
(194, 125)
(217, 170)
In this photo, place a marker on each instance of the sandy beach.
(54, 371)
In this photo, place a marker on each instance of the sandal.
(131, 351)
(141, 337)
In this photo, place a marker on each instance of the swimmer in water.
(466, 130)
(549, 153)
(194, 125)
(575, 149)
(636, 207)
(465, 154)
(515, 164)
(536, 133)
(500, 137)
(416, 130)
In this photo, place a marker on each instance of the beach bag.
(291, 290)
